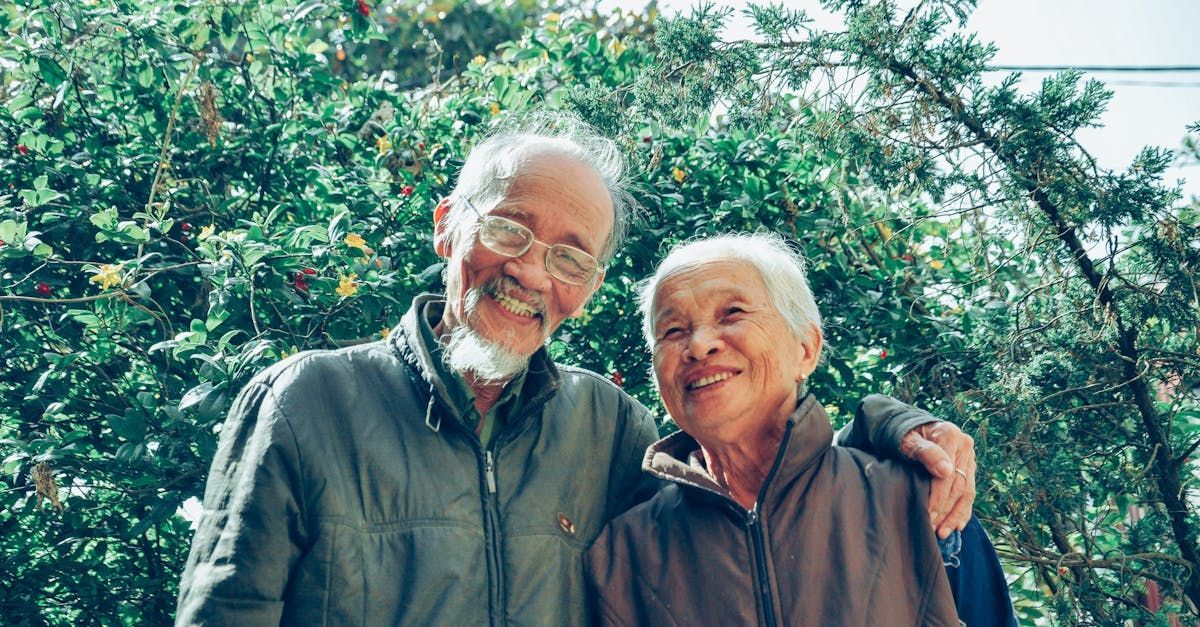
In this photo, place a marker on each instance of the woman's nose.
(704, 341)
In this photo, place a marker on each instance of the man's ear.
(441, 229)
(595, 286)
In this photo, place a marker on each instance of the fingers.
(949, 455)
(963, 499)
(919, 449)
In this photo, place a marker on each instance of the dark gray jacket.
(347, 490)
(837, 537)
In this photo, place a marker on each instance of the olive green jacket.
(347, 490)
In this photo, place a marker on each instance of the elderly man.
(453, 474)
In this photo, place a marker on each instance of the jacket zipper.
(492, 548)
(490, 471)
(491, 516)
(754, 527)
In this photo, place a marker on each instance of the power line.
(1124, 83)
(1094, 68)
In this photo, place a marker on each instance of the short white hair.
(494, 163)
(779, 264)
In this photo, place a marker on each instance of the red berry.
(185, 226)
(617, 378)
(883, 354)
(301, 284)
(646, 139)
(309, 271)
(407, 190)
(421, 146)
(364, 9)
(23, 149)
(43, 289)
(907, 258)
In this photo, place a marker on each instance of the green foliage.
(193, 190)
(1072, 347)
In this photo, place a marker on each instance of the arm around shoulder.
(880, 422)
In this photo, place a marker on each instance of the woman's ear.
(811, 344)
(442, 233)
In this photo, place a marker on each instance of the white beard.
(468, 352)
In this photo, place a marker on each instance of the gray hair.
(494, 163)
(780, 266)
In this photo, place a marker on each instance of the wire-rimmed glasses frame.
(512, 239)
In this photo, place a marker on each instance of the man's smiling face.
(513, 302)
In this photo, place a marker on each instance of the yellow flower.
(937, 264)
(249, 57)
(617, 47)
(553, 18)
(206, 232)
(494, 108)
(383, 144)
(385, 332)
(347, 285)
(679, 174)
(479, 59)
(108, 275)
(354, 240)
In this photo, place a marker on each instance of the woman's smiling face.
(727, 363)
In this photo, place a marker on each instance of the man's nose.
(704, 342)
(529, 269)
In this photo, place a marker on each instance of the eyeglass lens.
(512, 239)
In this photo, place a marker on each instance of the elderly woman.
(762, 521)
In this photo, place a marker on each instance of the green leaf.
(51, 71)
(12, 231)
(196, 395)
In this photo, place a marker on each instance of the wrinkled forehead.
(705, 281)
(557, 191)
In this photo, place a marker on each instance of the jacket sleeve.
(879, 424)
(251, 530)
(628, 485)
(977, 580)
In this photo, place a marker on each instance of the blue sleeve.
(977, 581)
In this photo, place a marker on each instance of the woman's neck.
(742, 467)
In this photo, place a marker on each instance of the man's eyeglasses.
(512, 239)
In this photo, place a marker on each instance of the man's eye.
(671, 333)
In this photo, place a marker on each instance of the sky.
(1146, 109)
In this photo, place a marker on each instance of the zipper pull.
(489, 470)
(752, 516)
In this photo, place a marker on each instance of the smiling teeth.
(513, 305)
(709, 380)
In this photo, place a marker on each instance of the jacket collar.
(414, 341)
(808, 435)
